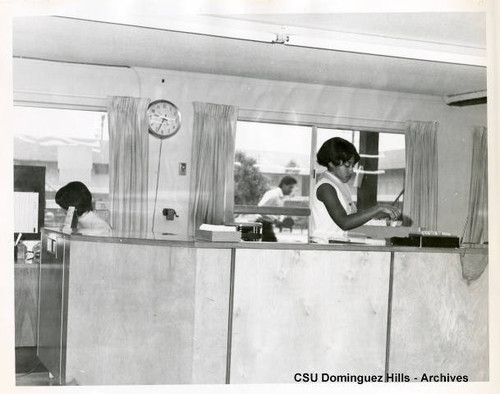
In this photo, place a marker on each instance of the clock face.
(164, 118)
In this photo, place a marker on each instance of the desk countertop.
(167, 239)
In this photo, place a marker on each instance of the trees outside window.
(249, 183)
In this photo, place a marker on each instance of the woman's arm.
(328, 196)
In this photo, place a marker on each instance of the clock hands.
(159, 127)
(162, 118)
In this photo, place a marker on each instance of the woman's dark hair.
(336, 150)
(75, 194)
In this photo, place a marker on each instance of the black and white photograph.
(250, 195)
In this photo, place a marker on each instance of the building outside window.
(265, 152)
(72, 145)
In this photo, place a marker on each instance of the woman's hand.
(390, 211)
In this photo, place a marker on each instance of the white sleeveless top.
(322, 225)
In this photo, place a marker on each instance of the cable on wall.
(157, 184)
(139, 83)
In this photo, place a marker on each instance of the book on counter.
(357, 238)
(217, 233)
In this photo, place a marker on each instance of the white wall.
(90, 85)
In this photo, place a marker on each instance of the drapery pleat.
(214, 132)
(421, 178)
(128, 163)
(477, 217)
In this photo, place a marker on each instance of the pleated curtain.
(214, 132)
(128, 163)
(421, 178)
(477, 217)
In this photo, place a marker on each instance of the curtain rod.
(322, 120)
(319, 114)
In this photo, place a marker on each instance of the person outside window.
(274, 198)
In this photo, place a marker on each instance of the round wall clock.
(164, 118)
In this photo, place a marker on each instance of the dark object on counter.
(427, 241)
(250, 231)
(405, 241)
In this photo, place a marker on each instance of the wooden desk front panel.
(134, 314)
(211, 316)
(439, 320)
(53, 303)
(308, 311)
(26, 303)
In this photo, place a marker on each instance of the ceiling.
(458, 28)
(165, 43)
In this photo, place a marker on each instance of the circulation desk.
(153, 309)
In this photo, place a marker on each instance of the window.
(265, 152)
(71, 145)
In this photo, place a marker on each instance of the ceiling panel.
(457, 28)
(72, 40)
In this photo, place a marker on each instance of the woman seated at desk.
(75, 194)
(332, 210)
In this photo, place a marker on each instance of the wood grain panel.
(211, 315)
(131, 314)
(26, 303)
(439, 320)
(308, 311)
(51, 347)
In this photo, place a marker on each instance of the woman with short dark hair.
(76, 194)
(332, 209)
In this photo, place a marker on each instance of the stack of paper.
(218, 228)
(218, 233)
